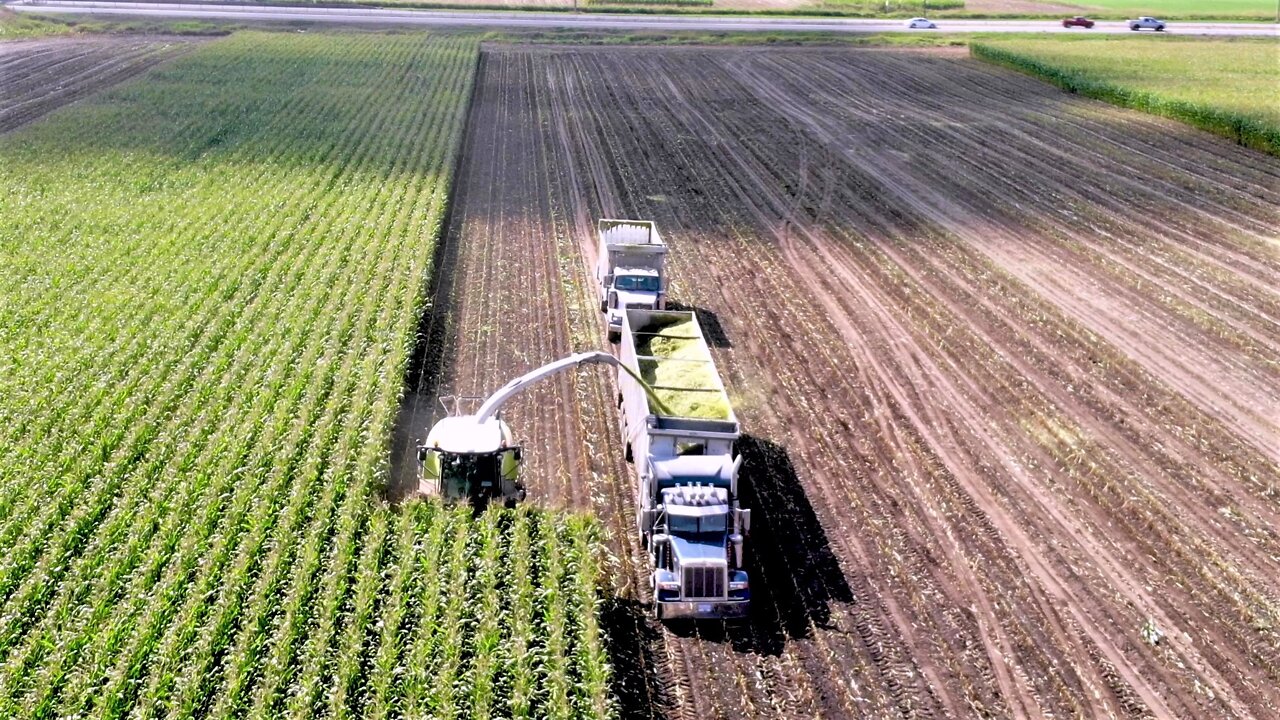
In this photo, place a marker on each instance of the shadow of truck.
(794, 575)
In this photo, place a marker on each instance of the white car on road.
(921, 24)
(1147, 23)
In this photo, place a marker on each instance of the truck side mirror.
(613, 298)
(744, 517)
(736, 540)
(647, 517)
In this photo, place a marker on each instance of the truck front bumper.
(702, 610)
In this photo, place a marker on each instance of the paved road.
(596, 21)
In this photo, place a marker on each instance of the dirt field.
(1008, 362)
(39, 76)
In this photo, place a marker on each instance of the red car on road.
(1078, 21)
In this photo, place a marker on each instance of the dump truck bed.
(641, 235)
(631, 244)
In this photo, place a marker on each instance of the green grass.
(893, 7)
(655, 3)
(1231, 87)
(1182, 8)
(21, 26)
(779, 39)
(210, 284)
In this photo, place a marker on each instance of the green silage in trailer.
(676, 363)
(210, 280)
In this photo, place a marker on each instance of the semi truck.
(629, 273)
(679, 434)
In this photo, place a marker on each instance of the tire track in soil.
(1263, 510)
(969, 495)
(607, 103)
(1233, 393)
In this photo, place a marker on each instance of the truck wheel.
(614, 337)
(604, 306)
(629, 456)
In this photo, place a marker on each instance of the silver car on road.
(1146, 23)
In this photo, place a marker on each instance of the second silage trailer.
(681, 439)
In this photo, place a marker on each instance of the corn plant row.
(209, 287)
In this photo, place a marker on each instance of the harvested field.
(1007, 358)
(39, 76)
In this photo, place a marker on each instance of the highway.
(596, 21)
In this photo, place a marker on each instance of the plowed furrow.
(1003, 368)
(41, 76)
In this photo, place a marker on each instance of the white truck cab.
(629, 269)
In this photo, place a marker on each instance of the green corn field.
(210, 283)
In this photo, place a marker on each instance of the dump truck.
(679, 434)
(629, 272)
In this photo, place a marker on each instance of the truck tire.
(614, 337)
(630, 458)
(604, 306)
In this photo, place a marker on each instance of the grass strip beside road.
(1228, 87)
(28, 26)
(1184, 9)
(1173, 10)
(15, 26)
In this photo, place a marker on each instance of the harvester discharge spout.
(475, 457)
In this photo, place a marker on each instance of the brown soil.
(39, 76)
(1006, 358)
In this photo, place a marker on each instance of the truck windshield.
(636, 283)
(685, 525)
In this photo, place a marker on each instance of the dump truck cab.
(465, 460)
(629, 289)
(629, 269)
